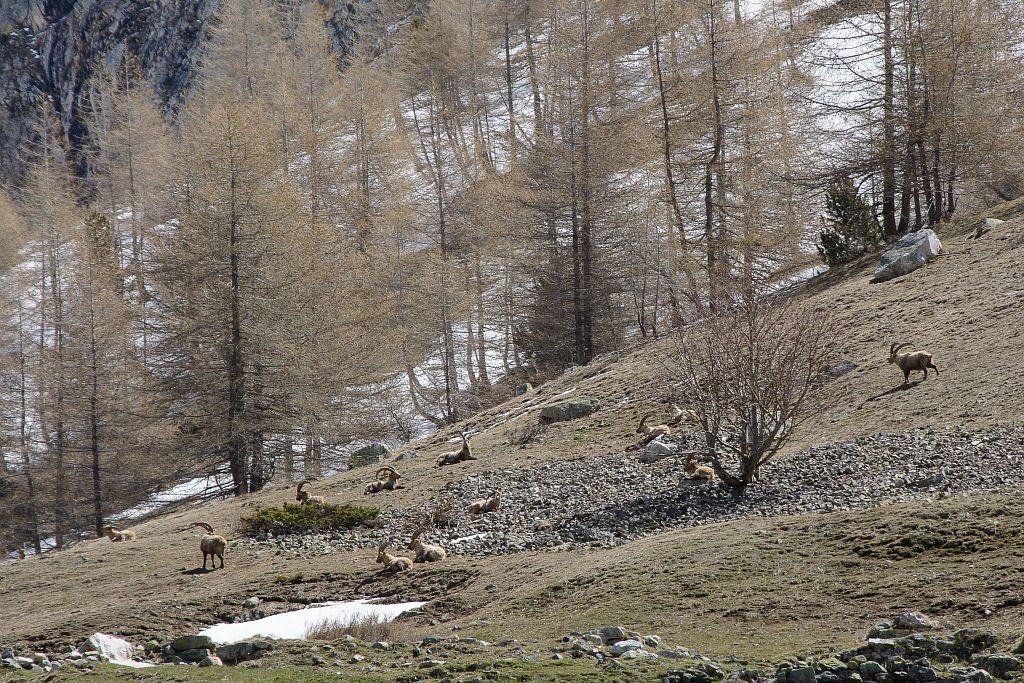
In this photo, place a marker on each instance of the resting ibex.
(392, 563)
(479, 507)
(387, 480)
(116, 535)
(425, 552)
(911, 361)
(211, 544)
(697, 472)
(678, 415)
(651, 433)
(304, 497)
(21, 553)
(455, 457)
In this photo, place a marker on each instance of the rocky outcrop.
(908, 254)
(565, 411)
(49, 49)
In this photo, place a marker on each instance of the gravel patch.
(610, 499)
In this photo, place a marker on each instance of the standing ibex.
(392, 563)
(455, 457)
(911, 361)
(386, 480)
(211, 544)
(116, 535)
(425, 552)
(304, 497)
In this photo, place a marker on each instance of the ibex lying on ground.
(425, 552)
(911, 361)
(479, 507)
(650, 433)
(305, 497)
(679, 415)
(387, 480)
(21, 553)
(211, 544)
(697, 472)
(392, 563)
(116, 535)
(455, 457)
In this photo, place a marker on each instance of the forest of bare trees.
(312, 252)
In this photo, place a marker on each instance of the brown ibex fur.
(212, 545)
(650, 433)
(386, 480)
(455, 457)
(116, 535)
(912, 361)
(425, 552)
(392, 563)
(697, 472)
(305, 497)
(479, 507)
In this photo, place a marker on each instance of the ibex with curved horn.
(913, 361)
(211, 544)
(386, 480)
(305, 497)
(425, 552)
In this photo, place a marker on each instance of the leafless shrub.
(750, 377)
(369, 628)
(443, 513)
(524, 434)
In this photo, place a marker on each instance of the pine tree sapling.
(849, 229)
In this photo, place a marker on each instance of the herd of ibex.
(212, 545)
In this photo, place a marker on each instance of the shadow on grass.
(196, 571)
(888, 392)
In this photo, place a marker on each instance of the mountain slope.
(754, 586)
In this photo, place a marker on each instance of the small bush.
(525, 434)
(369, 628)
(284, 580)
(443, 514)
(292, 518)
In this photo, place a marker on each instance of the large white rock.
(117, 650)
(907, 255)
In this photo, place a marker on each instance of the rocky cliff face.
(49, 49)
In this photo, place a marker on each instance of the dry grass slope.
(755, 587)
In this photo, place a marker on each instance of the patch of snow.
(295, 624)
(466, 539)
(117, 650)
(186, 489)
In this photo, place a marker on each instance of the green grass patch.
(292, 518)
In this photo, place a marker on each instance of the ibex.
(304, 497)
(392, 563)
(212, 545)
(911, 361)
(455, 457)
(425, 552)
(479, 507)
(650, 433)
(697, 472)
(116, 535)
(678, 414)
(386, 480)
